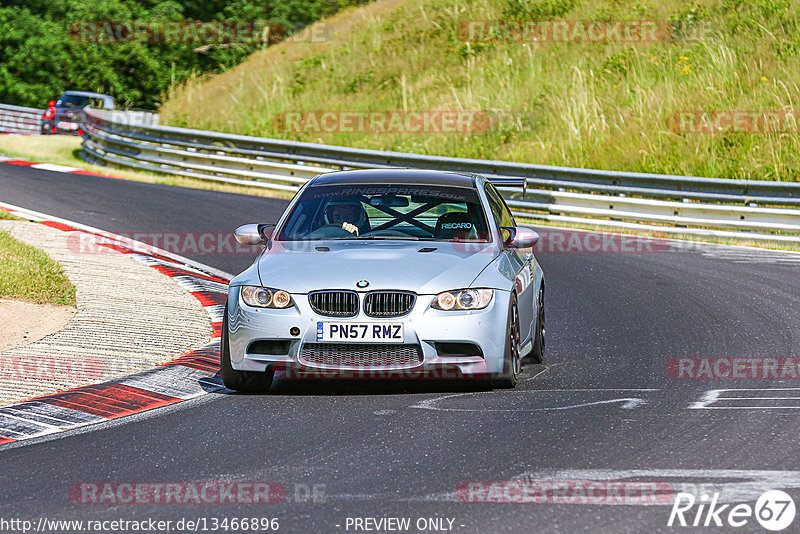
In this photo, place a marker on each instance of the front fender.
(499, 274)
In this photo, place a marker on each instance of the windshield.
(72, 101)
(80, 102)
(381, 211)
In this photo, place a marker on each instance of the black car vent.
(388, 303)
(334, 303)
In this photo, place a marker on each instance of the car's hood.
(302, 266)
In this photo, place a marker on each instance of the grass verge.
(28, 273)
(9, 217)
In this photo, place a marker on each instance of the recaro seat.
(455, 226)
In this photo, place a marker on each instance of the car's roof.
(396, 176)
(85, 93)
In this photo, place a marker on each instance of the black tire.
(244, 381)
(537, 354)
(511, 363)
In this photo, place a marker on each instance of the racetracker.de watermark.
(183, 243)
(564, 31)
(222, 243)
(735, 121)
(53, 368)
(565, 492)
(208, 492)
(733, 368)
(364, 372)
(382, 122)
(580, 242)
(193, 32)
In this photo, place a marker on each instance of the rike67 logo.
(774, 510)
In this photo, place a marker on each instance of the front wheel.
(244, 381)
(511, 363)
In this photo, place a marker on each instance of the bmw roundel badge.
(362, 283)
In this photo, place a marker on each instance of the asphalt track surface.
(602, 401)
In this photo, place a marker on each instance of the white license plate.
(360, 332)
(62, 125)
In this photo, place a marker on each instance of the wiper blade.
(394, 237)
(376, 237)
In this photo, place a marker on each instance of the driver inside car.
(349, 215)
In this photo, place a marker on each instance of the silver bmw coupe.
(389, 274)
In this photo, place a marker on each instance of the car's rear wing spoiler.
(510, 182)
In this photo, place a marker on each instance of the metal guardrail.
(763, 211)
(133, 116)
(17, 119)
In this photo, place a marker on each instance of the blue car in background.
(65, 115)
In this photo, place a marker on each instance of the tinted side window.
(502, 215)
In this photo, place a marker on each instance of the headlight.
(264, 297)
(463, 299)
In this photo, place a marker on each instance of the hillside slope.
(609, 105)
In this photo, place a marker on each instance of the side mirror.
(252, 234)
(523, 237)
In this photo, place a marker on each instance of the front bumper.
(61, 127)
(424, 327)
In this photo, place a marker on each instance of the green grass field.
(6, 215)
(28, 273)
(600, 105)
